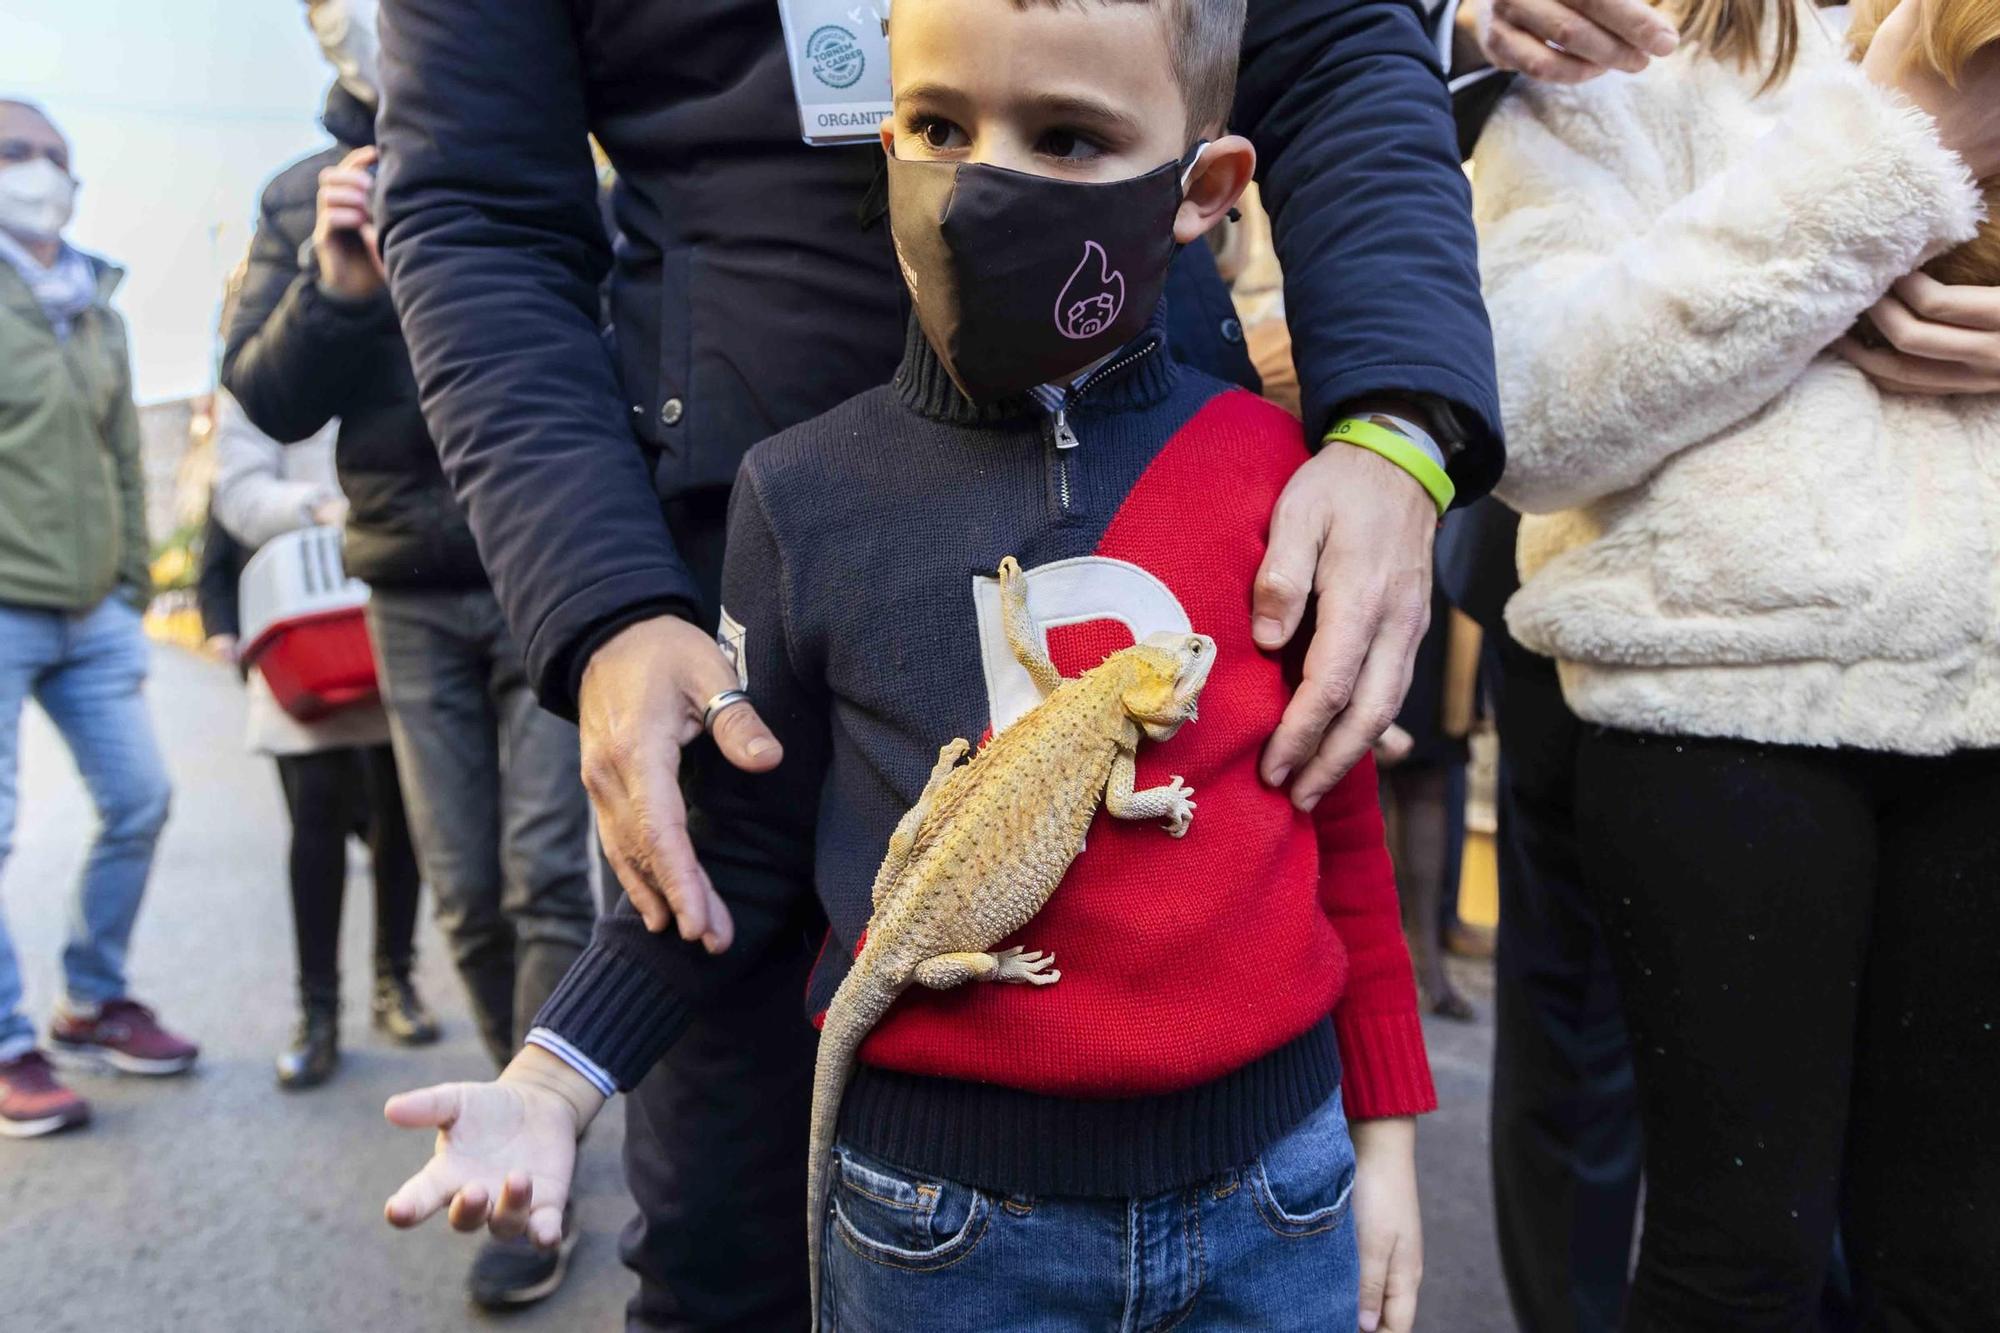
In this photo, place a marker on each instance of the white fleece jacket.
(1732, 533)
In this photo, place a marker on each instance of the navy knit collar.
(923, 385)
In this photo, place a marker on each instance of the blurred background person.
(338, 772)
(490, 781)
(1423, 766)
(73, 585)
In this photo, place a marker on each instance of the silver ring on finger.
(726, 699)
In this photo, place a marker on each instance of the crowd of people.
(740, 511)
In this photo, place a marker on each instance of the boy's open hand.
(506, 1150)
(1387, 1224)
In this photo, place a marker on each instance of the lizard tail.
(860, 1001)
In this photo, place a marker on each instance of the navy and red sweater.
(1214, 987)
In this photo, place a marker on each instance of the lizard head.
(1167, 672)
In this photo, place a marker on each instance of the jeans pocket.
(891, 1217)
(1304, 1182)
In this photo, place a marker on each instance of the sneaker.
(400, 1012)
(512, 1273)
(125, 1036)
(33, 1103)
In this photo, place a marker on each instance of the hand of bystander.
(1561, 41)
(344, 241)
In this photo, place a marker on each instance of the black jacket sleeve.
(291, 352)
(495, 253)
(1371, 214)
(626, 999)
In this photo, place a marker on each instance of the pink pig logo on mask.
(1092, 297)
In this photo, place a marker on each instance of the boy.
(1161, 1136)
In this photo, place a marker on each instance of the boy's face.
(1084, 91)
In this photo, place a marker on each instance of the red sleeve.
(1384, 1070)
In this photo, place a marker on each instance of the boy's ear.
(1214, 185)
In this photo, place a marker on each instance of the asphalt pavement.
(216, 1204)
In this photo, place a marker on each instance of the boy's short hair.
(1206, 39)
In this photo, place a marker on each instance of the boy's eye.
(1066, 144)
(938, 133)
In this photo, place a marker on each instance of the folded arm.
(1633, 322)
(291, 351)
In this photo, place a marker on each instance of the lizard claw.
(1181, 813)
(1017, 964)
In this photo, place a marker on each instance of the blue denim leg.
(1280, 1247)
(1267, 1247)
(30, 641)
(907, 1251)
(95, 696)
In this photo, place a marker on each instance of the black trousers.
(1565, 1116)
(1808, 949)
(333, 795)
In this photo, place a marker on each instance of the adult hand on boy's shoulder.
(640, 702)
(1388, 1226)
(1358, 530)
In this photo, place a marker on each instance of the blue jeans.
(1267, 1247)
(87, 671)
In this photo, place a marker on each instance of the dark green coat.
(72, 489)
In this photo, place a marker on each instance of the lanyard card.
(839, 51)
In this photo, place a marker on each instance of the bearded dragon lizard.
(988, 841)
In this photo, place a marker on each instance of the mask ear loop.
(1192, 160)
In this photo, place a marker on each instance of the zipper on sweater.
(1058, 401)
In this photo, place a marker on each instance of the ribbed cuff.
(1384, 1068)
(616, 1012)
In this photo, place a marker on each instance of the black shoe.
(511, 1273)
(315, 1050)
(400, 1013)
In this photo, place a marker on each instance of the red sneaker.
(126, 1036)
(33, 1103)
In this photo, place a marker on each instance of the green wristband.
(1401, 452)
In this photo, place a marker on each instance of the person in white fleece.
(1770, 584)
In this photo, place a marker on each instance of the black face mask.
(1020, 280)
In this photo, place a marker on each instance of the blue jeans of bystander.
(86, 670)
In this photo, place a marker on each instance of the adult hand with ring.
(647, 693)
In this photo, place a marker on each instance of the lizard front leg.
(904, 839)
(1173, 802)
(955, 969)
(1022, 636)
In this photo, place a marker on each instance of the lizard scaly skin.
(988, 841)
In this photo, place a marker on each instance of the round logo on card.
(836, 58)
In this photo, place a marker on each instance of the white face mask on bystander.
(347, 37)
(36, 199)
